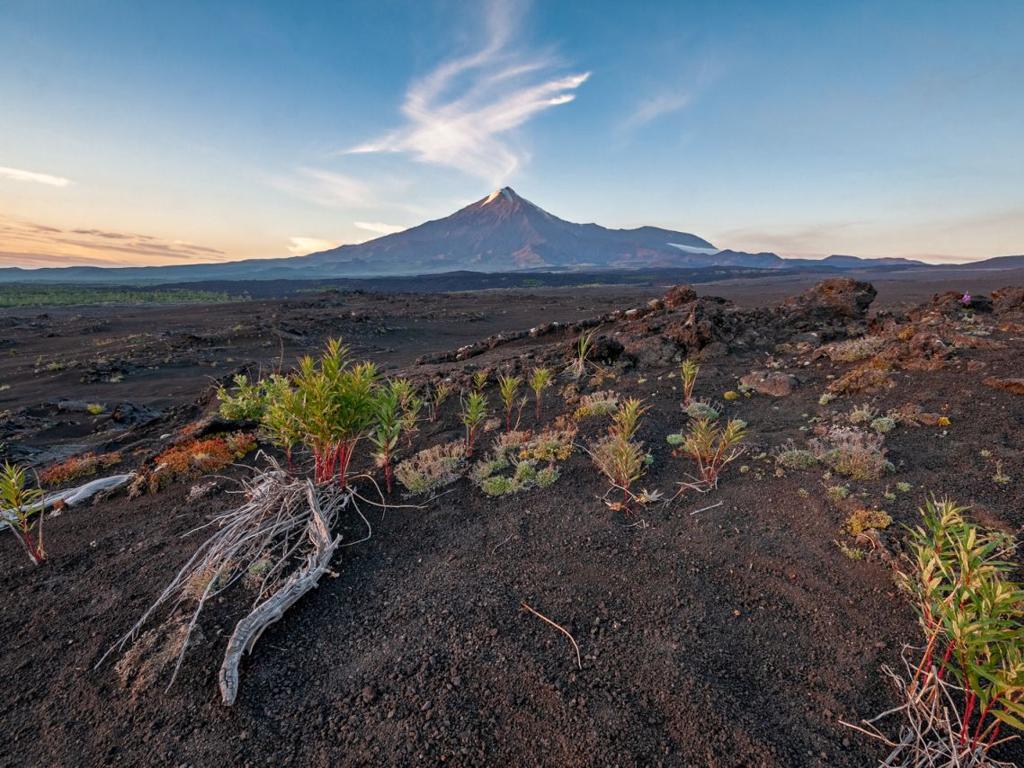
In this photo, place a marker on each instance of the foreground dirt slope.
(726, 629)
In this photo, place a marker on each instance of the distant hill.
(998, 262)
(859, 262)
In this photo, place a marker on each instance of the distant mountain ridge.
(500, 233)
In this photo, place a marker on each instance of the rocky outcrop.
(838, 297)
(1009, 300)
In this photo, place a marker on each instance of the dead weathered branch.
(249, 629)
(282, 527)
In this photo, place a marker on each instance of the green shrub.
(851, 452)
(432, 468)
(883, 425)
(19, 503)
(971, 610)
(601, 403)
(244, 402)
(700, 410)
(796, 459)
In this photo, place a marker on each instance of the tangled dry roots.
(928, 737)
(278, 540)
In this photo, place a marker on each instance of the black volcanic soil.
(722, 630)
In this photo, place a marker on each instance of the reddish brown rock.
(769, 382)
(1014, 386)
(678, 295)
(838, 296)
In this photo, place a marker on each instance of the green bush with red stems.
(972, 613)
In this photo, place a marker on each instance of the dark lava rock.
(837, 297)
(1009, 299)
(133, 415)
(606, 350)
(72, 406)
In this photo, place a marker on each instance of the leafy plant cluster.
(618, 455)
(971, 610)
(327, 406)
(711, 446)
(21, 511)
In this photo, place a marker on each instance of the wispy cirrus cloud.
(327, 188)
(17, 174)
(653, 107)
(29, 244)
(462, 113)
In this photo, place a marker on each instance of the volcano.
(504, 232)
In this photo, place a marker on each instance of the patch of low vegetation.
(620, 458)
(520, 461)
(863, 519)
(852, 452)
(883, 425)
(508, 390)
(77, 467)
(600, 403)
(539, 381)
(861, 414)
(439, 393)
(550, 445)
(698, 409)
(473, 416)
(837, 494)
(792, 458)
(245, 401)
(854, 350)
(1000, 477)
(432, 468)
(30, 295)
(193, 458)
(584, 347)
(869, 377)
(387, 431)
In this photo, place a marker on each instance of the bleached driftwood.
(250, 628)
(277, 542)
(73, 496)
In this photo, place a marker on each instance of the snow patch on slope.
(693, 248)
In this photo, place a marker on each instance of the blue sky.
(150, 132)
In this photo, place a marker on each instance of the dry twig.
(560, 628)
